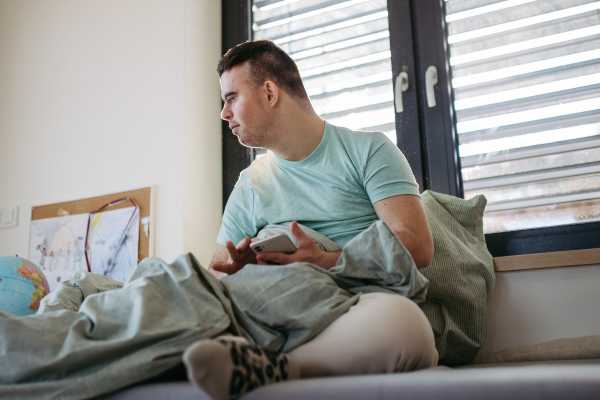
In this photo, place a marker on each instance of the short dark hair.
(267, 61)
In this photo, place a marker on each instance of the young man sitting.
(333, 180)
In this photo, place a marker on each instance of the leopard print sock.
(228, 367)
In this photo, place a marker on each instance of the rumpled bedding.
(94, 336)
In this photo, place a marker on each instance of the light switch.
(8, 217)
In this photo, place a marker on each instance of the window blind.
(526, 81)
(343, 52)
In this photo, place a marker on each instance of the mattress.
(574, 379)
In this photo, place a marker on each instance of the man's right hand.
(239, 256)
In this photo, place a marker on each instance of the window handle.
(401, 86)
(431, 79)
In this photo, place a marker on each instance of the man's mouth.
(233, 128)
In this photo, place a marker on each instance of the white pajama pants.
(381, 333)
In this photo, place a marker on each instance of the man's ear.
(272, 93)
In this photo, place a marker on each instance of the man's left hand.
(308, 251)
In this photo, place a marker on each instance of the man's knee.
(381, 333)
(403, 333)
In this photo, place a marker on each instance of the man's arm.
(406, 216)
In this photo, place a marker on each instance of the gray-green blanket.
(94, 336)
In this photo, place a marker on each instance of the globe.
(22, 286)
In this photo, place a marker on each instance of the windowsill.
(555, 259)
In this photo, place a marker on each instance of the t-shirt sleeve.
(238, 218)
(387, 172)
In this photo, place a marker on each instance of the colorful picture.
(114, 251)
(56, 246)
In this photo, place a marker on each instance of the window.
(526, 78)
(502, 98)
(342, 49)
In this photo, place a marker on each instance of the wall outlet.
(8, 217)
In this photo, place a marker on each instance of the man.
(335, 181)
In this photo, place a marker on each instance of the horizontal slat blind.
(342, 49)
(526, 80)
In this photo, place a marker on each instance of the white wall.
(202, 161)
(539, 305)
(102, 96)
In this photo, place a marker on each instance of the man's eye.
(230, 99)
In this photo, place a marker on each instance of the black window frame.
(426, 136)
(236, 28)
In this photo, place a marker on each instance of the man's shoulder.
(347, 135)
(361, 144)
(255, 169)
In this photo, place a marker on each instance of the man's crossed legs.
(381, 333)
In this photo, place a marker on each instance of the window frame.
(236, 26)
(439, 140)
(426, 136)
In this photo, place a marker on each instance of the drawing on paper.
(56, 246)
(106, 231)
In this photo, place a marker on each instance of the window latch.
(431, 79)
(401, 86)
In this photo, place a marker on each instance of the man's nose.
(226, 113)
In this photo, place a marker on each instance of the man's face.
(245, 108)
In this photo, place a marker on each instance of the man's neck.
(300, 133)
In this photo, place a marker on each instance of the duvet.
(94, 336)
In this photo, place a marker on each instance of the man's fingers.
(244, 243)
(231, 249)
(274, 258)
(299, 234)
(225, 268)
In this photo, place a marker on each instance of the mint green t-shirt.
(331, 191)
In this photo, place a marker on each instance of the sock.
(228, 367)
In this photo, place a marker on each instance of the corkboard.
(142, 197)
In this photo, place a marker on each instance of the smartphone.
(280, 243)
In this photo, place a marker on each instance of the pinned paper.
(107, 236)
(56, 246)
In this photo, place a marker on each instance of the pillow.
(461, 276)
